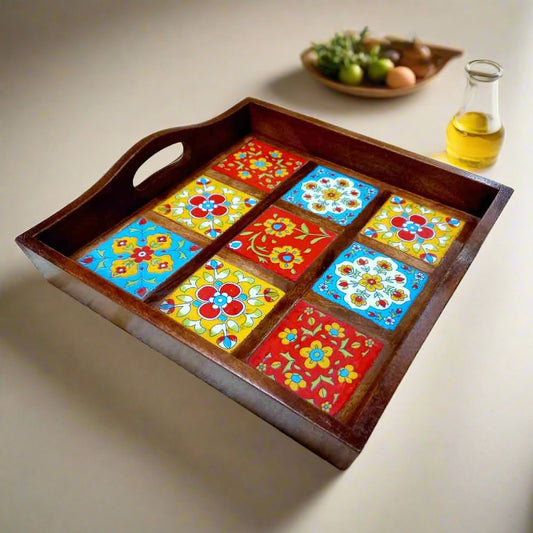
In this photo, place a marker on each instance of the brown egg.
(400, 77)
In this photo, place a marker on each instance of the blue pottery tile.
(331, 195)
(140, 257)
(371, 284)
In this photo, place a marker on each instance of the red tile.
(260, 165)
(318, 357)
(282, 242)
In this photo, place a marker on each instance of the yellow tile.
(414, 229)
(221, 303)
(206, 206)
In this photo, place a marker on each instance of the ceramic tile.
(371, 284)
(221, 302)
(414, 229)
(260, 165)
(318, 357)
(206, 206)
(140, 257)
(282, 242)
(331, 195)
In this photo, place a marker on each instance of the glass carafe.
(475, 133)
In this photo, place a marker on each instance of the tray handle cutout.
(171, 155)
(118, 193)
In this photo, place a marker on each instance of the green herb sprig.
(343, 50)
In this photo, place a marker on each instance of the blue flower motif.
(396, 199)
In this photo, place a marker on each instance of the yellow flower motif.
(275, 154)
(318, 207)
(280, 227)
(123, 268)
(239, 155)
(316, 354)
(161, 263)
(288, 335)
(260, 164)
(335, 330)
(124, 245)
(398, 295)
(159, 241)
(331, 194)
(244, 174)
(294, 381)
(326, 406)
(286, 257)
(347, 374)
(385, 265)
(359, 301)
(281, 172)
(371, 283)
(261, 367)
(308, 311)
(346, 270)
(369, 343)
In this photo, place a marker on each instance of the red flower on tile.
(216, 301)
(142, 254)
(412, 227)
(316, 356)
(208, 205)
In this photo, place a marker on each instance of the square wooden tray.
(64, 246)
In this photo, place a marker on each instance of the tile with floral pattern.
(414, 229)
(282, 242)
(371, 284)
(331, 195)
(260, 165)
(140, 257)
(206, 206)
(318, 357)
(221, 303)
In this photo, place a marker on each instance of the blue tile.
(331, 195)
(140, 257)
(371, 284)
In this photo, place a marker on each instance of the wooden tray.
(158, 279)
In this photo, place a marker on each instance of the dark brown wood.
(55, 244)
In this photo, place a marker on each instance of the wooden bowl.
(440, 57)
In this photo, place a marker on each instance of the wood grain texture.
(64, 237)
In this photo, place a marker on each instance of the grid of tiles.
(309, 349)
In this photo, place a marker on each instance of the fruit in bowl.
(359, 64)
(352, 58)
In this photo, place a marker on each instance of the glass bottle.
(475, 133)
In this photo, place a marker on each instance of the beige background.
(99, 433)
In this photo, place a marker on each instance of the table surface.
(100, 433)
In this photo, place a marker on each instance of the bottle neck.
(480, 101)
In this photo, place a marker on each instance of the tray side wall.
(98, 209)
(389, 164)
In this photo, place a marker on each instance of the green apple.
(351, 75)
(377, 70)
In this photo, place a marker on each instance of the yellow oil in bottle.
(470, 141)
